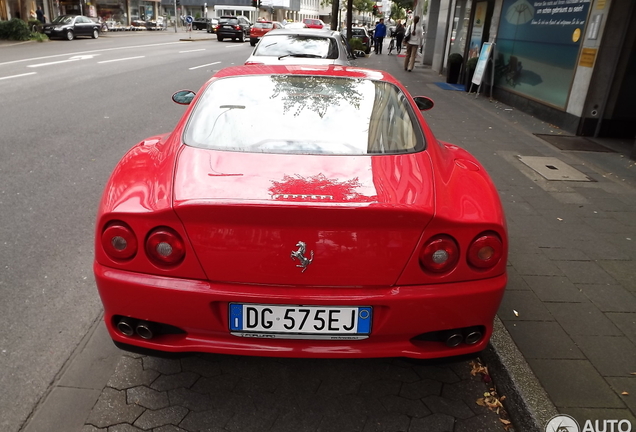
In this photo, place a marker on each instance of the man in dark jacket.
(379, 35)
(399, 35)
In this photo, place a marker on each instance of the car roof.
(310, 70)
(304, 31)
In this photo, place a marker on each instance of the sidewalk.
(570, 305)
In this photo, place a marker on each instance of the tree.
(397, 13)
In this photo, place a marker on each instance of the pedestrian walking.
(399, 35)
(414, 38)
(40, 14)
(379, 34)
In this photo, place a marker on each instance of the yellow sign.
(588, 55)
(600, 4)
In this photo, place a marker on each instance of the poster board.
(484, 56)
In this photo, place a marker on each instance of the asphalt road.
(68, 112)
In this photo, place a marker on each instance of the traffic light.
(178, 3)
(254, 3)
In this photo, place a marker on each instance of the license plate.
(300, 322)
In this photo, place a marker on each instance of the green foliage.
(455, 58)
(397, 13)
(471, 63)
(14, 29)
(197, 15)
(404, 4)
(39, 37)
(357, 44)
(363, 5)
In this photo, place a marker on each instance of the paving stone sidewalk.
(570, 304)
(229, 393)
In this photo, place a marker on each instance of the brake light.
(119, 241)
(440, 254)
(237, 27)
(365, 39)
(165, 247)
(485, 251)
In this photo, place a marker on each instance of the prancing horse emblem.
(299, 255)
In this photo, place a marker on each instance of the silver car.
(302, 46)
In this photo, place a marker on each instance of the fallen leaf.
(504, 421)
(633, 373)
(515, 312)
(625, 394)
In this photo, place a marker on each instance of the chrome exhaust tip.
(454, 339)
(473, 337)
(126, 326)
(145, 330)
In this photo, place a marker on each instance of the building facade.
(569, 62)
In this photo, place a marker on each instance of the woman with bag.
(413, 39)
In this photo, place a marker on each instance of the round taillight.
(165, 247)
(119, 241)
(485, 251)
(439, 254)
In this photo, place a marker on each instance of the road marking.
(91, 51)
(233, 46)
(83, 57)
(195, 50)
(209, 64)
(121, 59)
(53, 63)
(17, 76)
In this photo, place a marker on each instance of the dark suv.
(235, 27)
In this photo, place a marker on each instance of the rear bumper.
(201, 310)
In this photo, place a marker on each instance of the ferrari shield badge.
(300, 256)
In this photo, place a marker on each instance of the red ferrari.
(300, 211)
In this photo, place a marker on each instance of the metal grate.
(574, 143)
(553, 168)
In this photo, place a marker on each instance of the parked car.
(201, 23)
(362, 34)
(71, 26)
(213, 25)
(235, 27)
(349, 231)
(259, 29)
(306, 46)
(313, 23)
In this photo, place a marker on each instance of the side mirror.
(183, 97)
(424, 103)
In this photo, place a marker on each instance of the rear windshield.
(232, 21)
(293, 45)
(303, 115)
(264, 25)
(358, 32)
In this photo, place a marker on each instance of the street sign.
(189, 19)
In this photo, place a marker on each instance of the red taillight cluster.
(164, 247)
(365, 40)
(119, 241)
(440, 254)
(237, 27)
(485, 251)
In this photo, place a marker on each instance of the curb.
(527, 402)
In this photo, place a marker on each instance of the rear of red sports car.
(310, 214)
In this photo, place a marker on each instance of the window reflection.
(304, 115)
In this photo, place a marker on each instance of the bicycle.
(392, 44)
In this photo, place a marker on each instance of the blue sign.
(189, 19)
